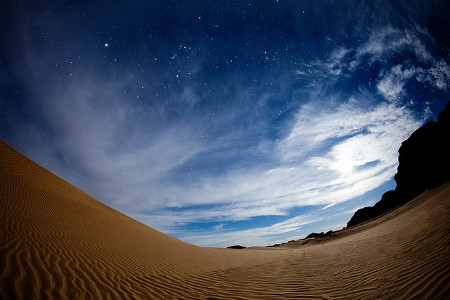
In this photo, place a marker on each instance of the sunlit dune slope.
(58, 242)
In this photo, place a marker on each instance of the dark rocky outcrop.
(424, 163)
(388, 201)
(304, 241)
(318, 235)
(236, 247)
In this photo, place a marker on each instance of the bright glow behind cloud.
(359, 153)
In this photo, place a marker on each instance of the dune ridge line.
(58, 242)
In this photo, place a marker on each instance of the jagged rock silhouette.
(424, 163)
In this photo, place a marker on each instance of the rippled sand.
(58, 242)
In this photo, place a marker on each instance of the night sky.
(223, 122)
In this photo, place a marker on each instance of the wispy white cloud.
(391, 82)
(408, 48)
(290, 229)
(438, 75)
(389, 40)
(259, 236)
(359, 153)
(118, 150)
(380, 46)
(334, 65)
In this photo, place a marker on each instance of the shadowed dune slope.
(58, 242)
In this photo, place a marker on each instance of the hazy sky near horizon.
(223, 122)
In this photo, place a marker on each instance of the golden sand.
(58, 242)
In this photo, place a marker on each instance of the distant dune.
(58, 242)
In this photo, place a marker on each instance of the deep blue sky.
(223, 122)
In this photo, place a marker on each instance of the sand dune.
(58, 242)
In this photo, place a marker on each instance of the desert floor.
(58, 242)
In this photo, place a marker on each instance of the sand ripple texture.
(57, 242)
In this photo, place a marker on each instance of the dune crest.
(58, 242)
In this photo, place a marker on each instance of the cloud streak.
(359, 155)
